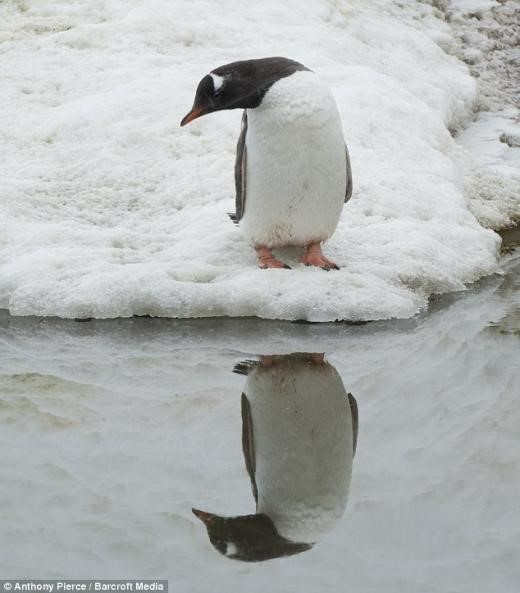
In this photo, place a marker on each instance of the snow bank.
(488, 42)
(109, 208)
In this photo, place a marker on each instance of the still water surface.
(380, 458)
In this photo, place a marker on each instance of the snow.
(473, 5)
(493, 175)
(495, 140)
(108, 208)
(488, 33)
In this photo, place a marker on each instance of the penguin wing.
(248, 446)
(354, 413)
(348, 190)
(240, 173)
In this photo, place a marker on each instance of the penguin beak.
(193, 114)
(206, 518)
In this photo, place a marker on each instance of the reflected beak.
(206, 518)
(193, 114)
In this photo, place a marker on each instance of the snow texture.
(489, 35)
(108, 208)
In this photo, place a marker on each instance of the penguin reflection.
(299, 433)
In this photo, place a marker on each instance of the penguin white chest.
(296, 164)
(303, 441)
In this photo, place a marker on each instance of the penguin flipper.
(354, 413)
(248, 446)
(240, 173)
(348, 190)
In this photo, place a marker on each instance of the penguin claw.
(314, 257)
(275, 266)
(324, 264)
(267, 260)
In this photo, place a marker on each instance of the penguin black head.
(250, 538)
(239, 85)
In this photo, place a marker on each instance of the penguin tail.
(233, 217)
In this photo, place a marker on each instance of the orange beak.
(193, 114)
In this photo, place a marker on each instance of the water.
(112, 431)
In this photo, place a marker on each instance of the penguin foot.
(317, 358)
(266, 259)
(313, 256)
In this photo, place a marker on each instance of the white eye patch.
(218, 81)
(230, 549)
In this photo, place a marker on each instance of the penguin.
(249, 538)
(292, 166)
(299, 436)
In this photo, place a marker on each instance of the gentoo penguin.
(299, 433)
(292, 168)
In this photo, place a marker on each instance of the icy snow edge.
(109, 209)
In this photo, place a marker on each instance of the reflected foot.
(266, 259)
(266, 361)
(317, 358)
(313, 256)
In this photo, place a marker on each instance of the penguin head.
(250, 538)
(239, 85)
